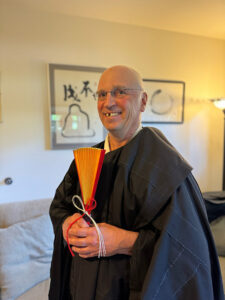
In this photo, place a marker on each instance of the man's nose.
(109, 100)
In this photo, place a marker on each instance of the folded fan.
(89, 163)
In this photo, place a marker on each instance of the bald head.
(121, 76)
(120, 111)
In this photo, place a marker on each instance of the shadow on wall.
(204, 133)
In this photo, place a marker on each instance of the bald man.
(150, 213)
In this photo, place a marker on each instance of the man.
(149, 210)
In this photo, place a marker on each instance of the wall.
(31, 39)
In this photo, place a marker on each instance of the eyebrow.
(115, 87)
(120, 87)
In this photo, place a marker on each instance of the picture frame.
(74, 120)
(165, 101)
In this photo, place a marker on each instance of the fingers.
(85, 243)
(82, 223)
(86, 236)
(85, 252)
(79, 232)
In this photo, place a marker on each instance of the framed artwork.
(73, 106)
(165, 101)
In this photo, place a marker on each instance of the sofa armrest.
(15, 212)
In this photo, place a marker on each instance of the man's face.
(120, 115)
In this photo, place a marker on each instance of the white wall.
(31, 39)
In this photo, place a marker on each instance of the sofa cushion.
(25, 255)
(218, 229)
(15, 212)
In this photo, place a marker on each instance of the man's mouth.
(113, 114)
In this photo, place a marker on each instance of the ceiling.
(198, 17)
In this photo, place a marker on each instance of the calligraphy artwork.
(73, 106)
(165, 101)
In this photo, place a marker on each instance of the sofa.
(26, 238)
(222, 266)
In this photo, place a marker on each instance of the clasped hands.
(83, 238)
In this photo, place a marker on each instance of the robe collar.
(107, 146)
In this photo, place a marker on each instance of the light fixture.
(220, 103)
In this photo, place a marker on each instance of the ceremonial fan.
(89, 164)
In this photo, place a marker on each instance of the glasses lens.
(119, 93)
(116, 92)
(101, 95)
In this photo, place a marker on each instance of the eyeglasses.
(116, 92)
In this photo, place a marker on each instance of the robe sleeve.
(174, 257)
(61, 206)
(141, 256)
(60, 269)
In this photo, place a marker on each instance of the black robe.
(144, 186)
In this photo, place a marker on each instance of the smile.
(113, 114)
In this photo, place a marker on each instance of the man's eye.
(119, 92)
(102, 94)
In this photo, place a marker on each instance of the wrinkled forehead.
(121, 77)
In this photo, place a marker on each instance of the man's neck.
(116, 142)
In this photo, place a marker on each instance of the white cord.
(101, 251)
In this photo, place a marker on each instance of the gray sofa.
(222, 265)
(26, 238)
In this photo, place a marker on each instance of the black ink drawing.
(161, 103)
(77, 123)
(73, 106)
(69, 92)
(86, 88)
(165, 101)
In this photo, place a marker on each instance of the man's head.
(121, 100)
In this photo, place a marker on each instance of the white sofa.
(26, 239)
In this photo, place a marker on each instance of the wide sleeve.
(176, 258)
(60, 269)
(140, 260)
(61, 206)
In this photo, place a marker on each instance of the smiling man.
(121, 100)
(150, 213)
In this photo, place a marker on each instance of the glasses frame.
(112, 92)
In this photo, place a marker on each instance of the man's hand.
(84, 239)
(78, 224)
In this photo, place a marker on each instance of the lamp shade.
(219, 103)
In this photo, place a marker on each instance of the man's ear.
(144, 99)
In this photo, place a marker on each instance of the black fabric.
(215, 204)
(145, 186)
